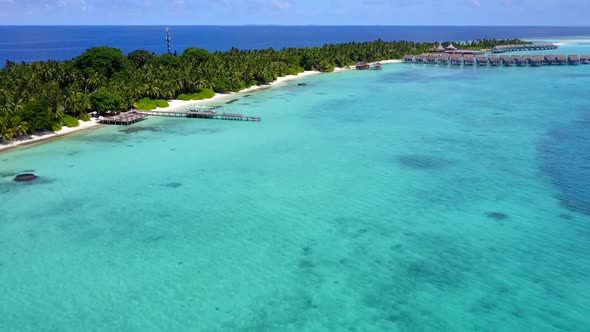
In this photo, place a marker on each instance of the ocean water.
(40, 43)
(416, 198)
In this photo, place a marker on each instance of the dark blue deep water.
(31, 43)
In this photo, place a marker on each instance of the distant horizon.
(294, 25)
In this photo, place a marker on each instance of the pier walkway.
(524, 47)
(135, 116)
(495, 61)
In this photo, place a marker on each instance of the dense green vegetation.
(146, 104)
(199, 95)
(38, 96)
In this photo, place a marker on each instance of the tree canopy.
(37, 96)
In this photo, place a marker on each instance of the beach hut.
(456, 60)
(481, 60)
(573, 60)
(408, 58)
(585, 59)
(361, 65)
(468, 60)
(439, 48)
(494, 60)
(561, 60)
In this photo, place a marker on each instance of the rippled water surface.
(411, 199)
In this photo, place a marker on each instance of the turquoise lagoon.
(415, 198)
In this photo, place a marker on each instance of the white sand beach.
(176, 105)
(43, 136)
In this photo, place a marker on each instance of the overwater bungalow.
(537, 60)
(550, 60)
(481, 60)
(456, 59)
(573, 60)
(409, 58)
(494, 60)
(468, 60)
(585, 59)
(361, 65)
(443, 59)
(525, 47)
(507, 60)
(521, 61)
(561, 60)
(376, 66)
(420, 58)
(431, 59)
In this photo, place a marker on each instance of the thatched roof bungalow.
(561, 60)
(550, 59)
(537, 60)
(439, 48)
(481, 60)
(456, 59)
(451, 47)
(443, 59)
(468, 59)
(494, 60)
(408, 58)
(376, 66)
(431, 59)
(585, 59)
(521, 61)
(507, 60)
(573, 60)
(420, 58)
(361, 65)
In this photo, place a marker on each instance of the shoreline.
(42, 137)
(174, 105)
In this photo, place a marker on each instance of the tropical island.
(43, 96)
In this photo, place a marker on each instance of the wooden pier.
(135, 116)
(203, 114)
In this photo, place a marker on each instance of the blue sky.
(294, 12)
